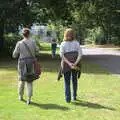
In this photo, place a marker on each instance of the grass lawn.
(98, 94)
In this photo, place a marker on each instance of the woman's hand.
(75, 67)
(71, 64)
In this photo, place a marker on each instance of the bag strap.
(28, 49)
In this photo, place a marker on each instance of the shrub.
(115, 40)
(10, 42)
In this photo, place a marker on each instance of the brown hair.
(26, 32)
(67, 31)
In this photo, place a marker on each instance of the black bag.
(31, 77)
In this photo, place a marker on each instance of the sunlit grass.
(98, 94)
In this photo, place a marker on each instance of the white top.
(21, 51)
(69, 46)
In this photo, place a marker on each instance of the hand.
(75, 64)
(71, 64)
(75, 67)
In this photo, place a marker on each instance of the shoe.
(68, 100)
(20, 98)
(28, 102)
(74, 98)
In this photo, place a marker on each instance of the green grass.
(98, 94)
(46, 48)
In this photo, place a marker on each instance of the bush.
(89, 40)
(100, 40)
(10, 42)
(115, 40)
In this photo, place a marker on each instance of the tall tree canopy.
(83, 14)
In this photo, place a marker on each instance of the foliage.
(10, 42)
(115, 40)
(99, 13)
(79, 14)
(13, 13)
(95, 36)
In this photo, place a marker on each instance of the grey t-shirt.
(21, 51)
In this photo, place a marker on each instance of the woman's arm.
(67, 61)
(62, 55)
(16, 51)
(79, 55)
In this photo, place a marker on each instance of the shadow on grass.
(48, 64)
(91, 105)
(48, 106)
(48, 57)
(89, 63)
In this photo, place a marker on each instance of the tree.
(13, 13)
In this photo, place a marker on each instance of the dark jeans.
(53, 46)
(67, 79)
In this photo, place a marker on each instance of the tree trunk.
(1, 35)
(106, 37)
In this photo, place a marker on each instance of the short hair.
(66, 32)
(26, 32)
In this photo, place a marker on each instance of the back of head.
(26, 32)
(69, 34)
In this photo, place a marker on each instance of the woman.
(26, 51)
(71, 54)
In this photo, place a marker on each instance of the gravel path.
(109, 59)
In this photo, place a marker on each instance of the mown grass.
(98, 94)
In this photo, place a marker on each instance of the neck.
(26, 38)
(70, 40)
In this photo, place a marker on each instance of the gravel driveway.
(109, 59)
